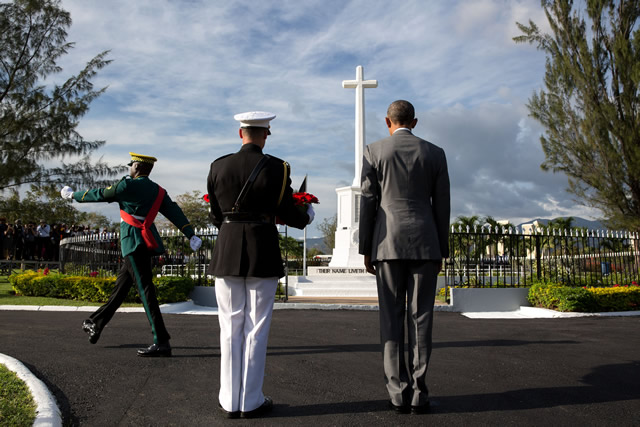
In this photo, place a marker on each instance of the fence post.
(538, 257)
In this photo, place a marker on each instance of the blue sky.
(182, 69)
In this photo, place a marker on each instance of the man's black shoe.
(403, 409)
(422, 409)
(227, 414)
(156, 350)
(266, 406)
(92, 330)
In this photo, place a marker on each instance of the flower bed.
(93, 289)
(586, 299)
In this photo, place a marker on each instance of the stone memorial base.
(334, 282)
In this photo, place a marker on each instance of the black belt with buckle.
(247, 218)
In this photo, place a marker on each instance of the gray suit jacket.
(405, 203)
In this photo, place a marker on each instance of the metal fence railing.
(510, 257)
(481, 257)
(99, 254)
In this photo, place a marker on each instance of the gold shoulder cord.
(284, 182)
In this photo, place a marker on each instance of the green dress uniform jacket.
(250, 249)
(136, 196)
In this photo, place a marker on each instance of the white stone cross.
(359, 84)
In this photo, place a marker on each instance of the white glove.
(66, 192)
(195, 242)
(310, 212)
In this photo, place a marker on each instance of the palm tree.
(465, 244)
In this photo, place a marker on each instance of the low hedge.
(585, 299)
(94, 289)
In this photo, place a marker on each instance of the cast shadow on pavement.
(606, 383)
(177, 351)
(497, 343)
(61, 398)
(376, 348)
(320, 409)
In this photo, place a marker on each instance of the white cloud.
(182, 69)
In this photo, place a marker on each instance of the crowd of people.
(31, 241)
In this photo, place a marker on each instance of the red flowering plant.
(301, 199)
(206, 198)
(304, 199)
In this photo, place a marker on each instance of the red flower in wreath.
(301, 199)
(304, 199)
(206, 198)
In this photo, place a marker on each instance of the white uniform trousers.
(245, 305)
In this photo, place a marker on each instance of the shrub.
(173, 288)
(585, 299)
(561, 298)
(94, 289)
(21, 280)
(617, 298)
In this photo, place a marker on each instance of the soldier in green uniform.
(140, 199)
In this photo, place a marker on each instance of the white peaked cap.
(258, 119)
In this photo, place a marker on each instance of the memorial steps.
(334, 282)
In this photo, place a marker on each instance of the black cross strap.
(249, 183)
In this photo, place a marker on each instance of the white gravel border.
(47, 411)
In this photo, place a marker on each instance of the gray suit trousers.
(406, 287)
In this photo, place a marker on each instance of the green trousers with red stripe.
(135, 270)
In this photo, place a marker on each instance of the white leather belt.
(138, 217)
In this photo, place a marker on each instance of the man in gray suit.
(404, 225)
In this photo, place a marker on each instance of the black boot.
(92, 330)
(156, 350)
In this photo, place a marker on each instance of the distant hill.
(318, 243)
(577, 222)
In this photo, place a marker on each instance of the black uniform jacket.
(250, 249)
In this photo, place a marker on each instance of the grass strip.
(17, 407)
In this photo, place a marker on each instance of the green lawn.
(17, 407)
(8, 297)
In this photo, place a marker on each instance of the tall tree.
(466, 244)
(328, 229)
(495, 238)
(195, 209)
(463, 223)
(38, 121)
(590, 105)
(46, 203)
(290, 247)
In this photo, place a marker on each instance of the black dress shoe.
(227, 414)
(92, 330)
(156, 350)
(422, 409)
(400, 409)
(266, 406)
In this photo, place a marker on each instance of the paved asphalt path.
(324, 368)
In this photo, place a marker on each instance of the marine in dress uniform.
(246, 260)
(140, 199)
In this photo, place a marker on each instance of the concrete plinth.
(204, 296)
(334, 282)
(488, 299)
